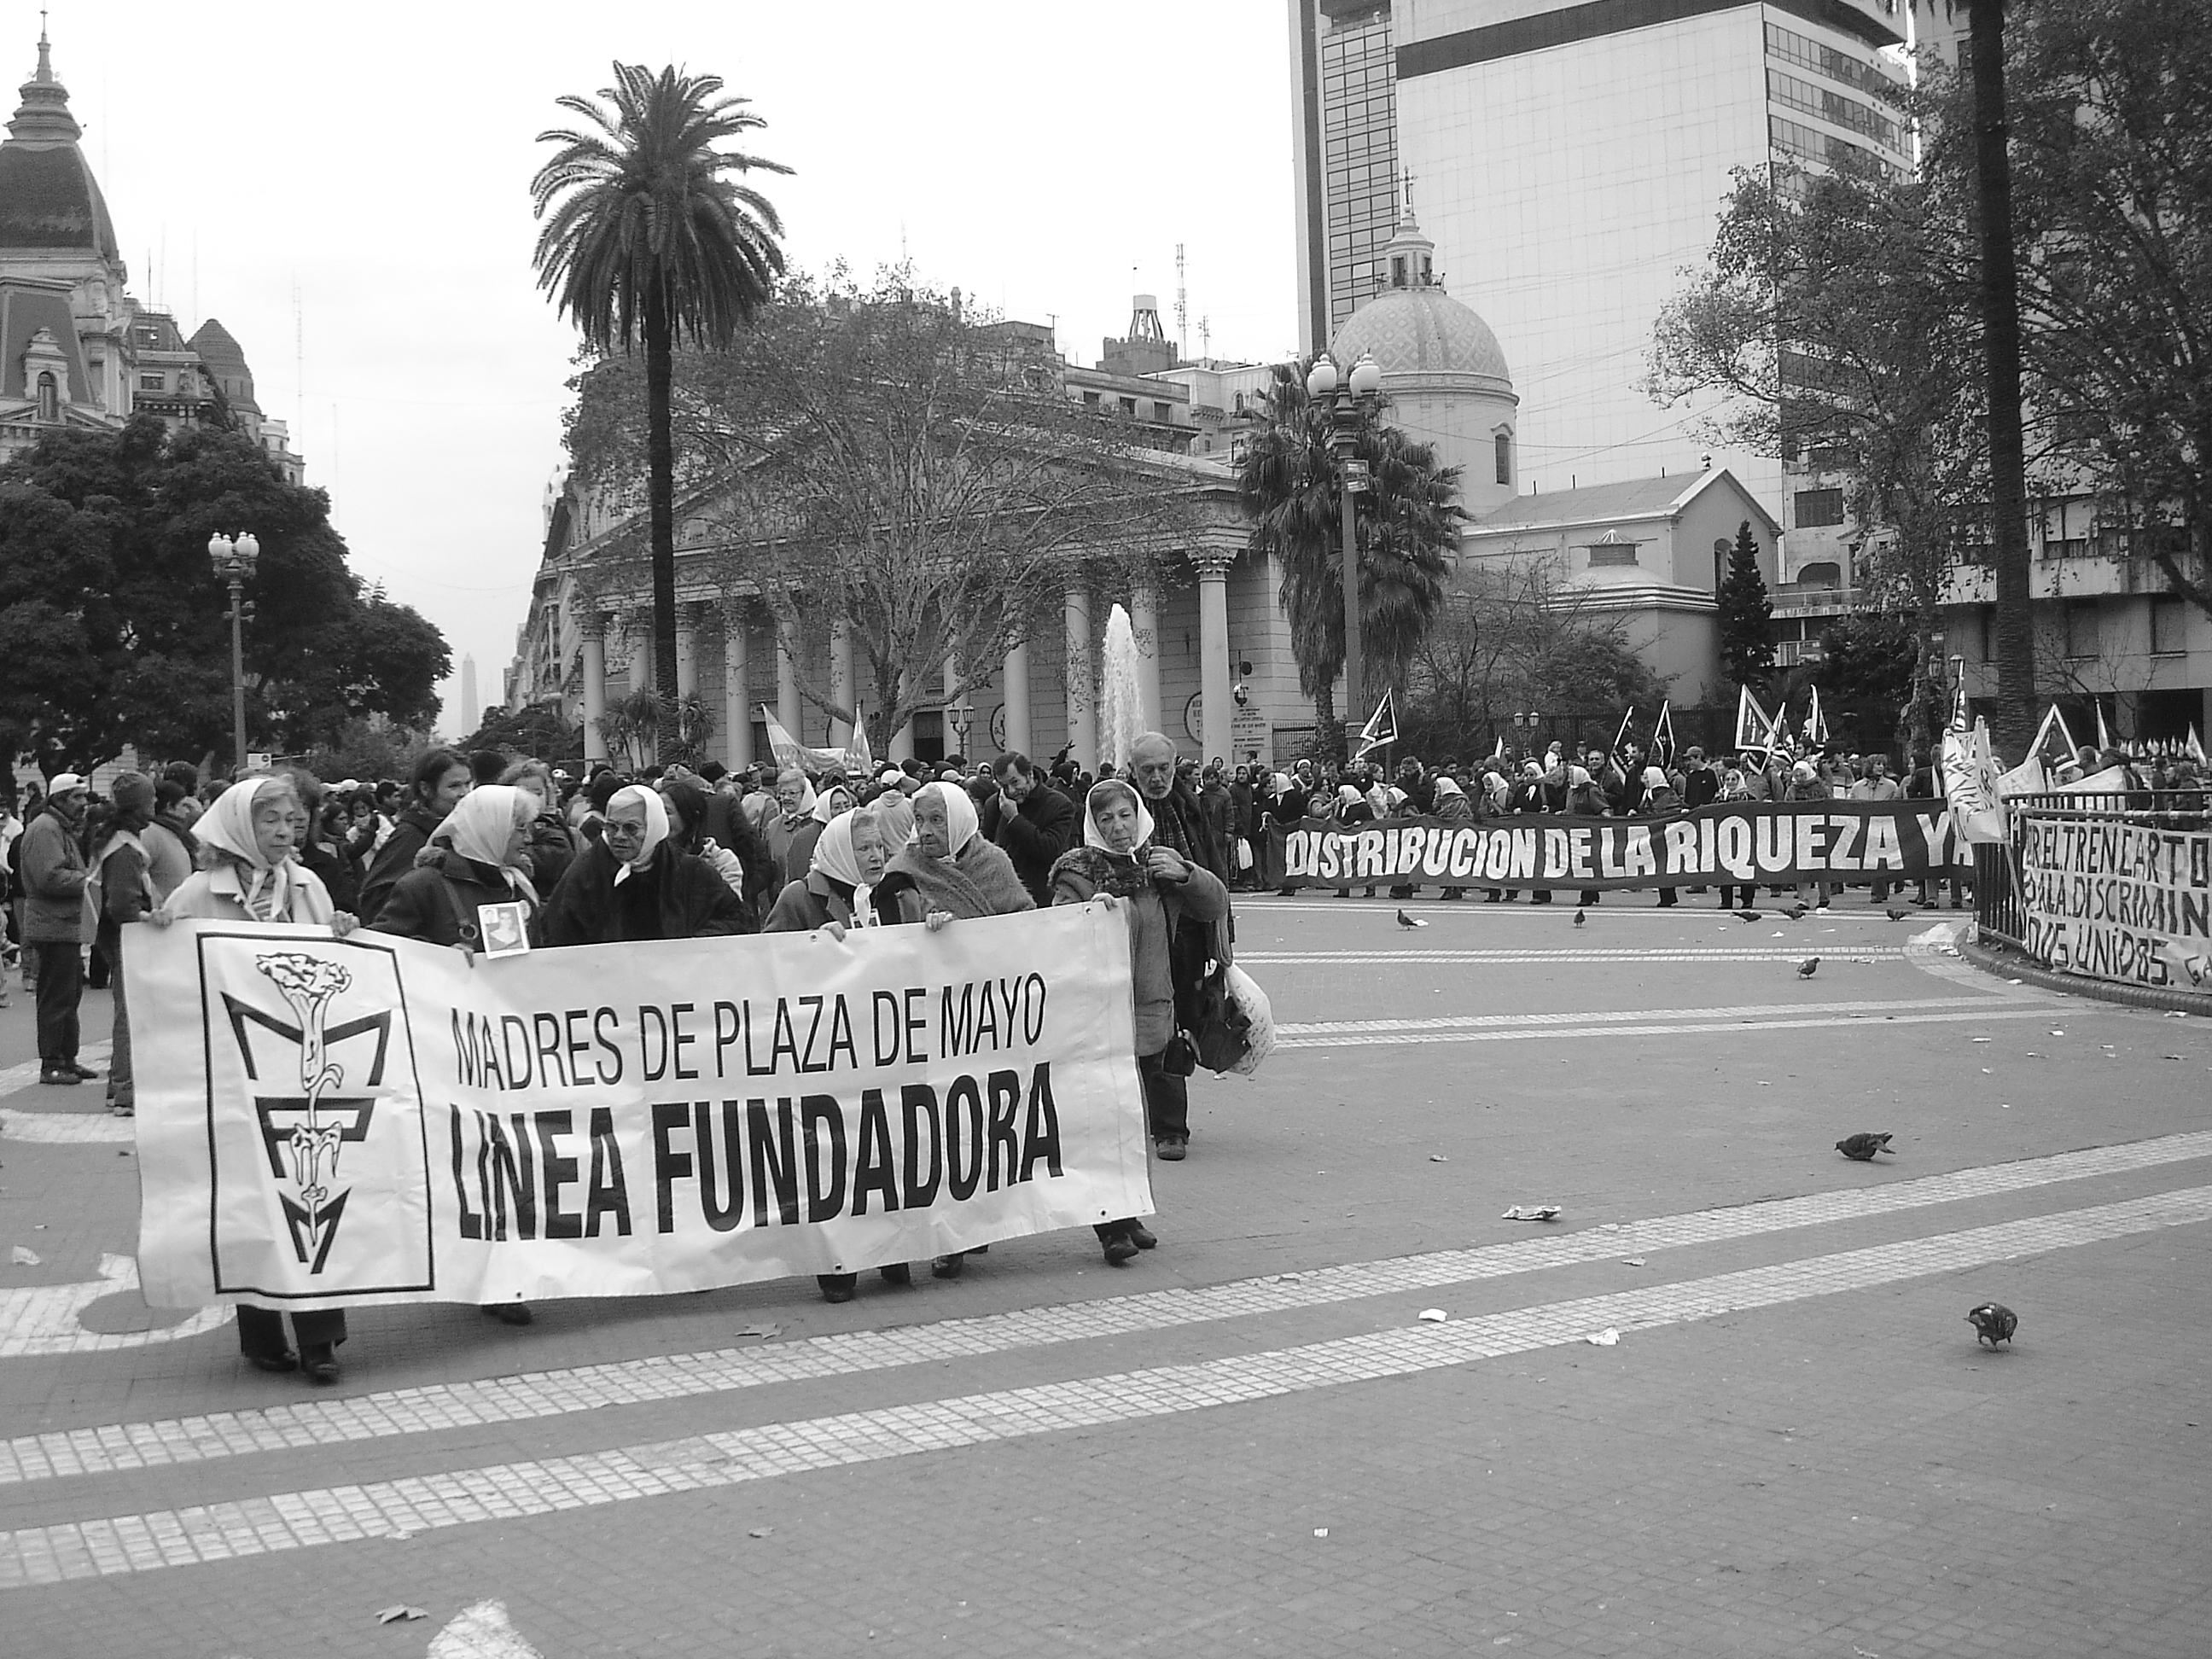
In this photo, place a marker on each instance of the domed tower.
(1442, 369)
(55, 230)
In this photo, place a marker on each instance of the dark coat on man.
(1034, 836)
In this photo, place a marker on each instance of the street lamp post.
(233, 559)
(1348, 405)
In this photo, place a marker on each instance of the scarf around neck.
(265, 889)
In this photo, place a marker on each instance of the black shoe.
(1140, 1236)
(1173, 1149)
(510, 1313)
(64, 1078)
(321, 1363)
(948, 1266)
(836, 1287)
(84, 1071)
(898, 1273)
(277, 1363)
(1120, 1250)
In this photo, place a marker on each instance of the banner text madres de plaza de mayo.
(1776, 843)
(323, 1122)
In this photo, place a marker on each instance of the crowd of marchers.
(607, 857)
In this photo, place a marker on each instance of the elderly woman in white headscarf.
(635, 884)
(1155, 888)
(479, 856)
(948, 870)
(838, 891)
(246, 838)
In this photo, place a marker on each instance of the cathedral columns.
(736, 673)
(1145, 623)
(786, 680)
(591, 630)
(1082, 680)
(687, 648)
(1016, 669)
(1217, 698)
(841, 689)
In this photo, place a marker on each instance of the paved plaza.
(1251, 1441)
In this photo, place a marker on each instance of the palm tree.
(1406, 527)
(647, 239)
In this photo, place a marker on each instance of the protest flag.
(2104, 731)
(1753, 731)
(1816, 724)
(1662, 735)
(1620, 736)
(2194, 747)
(1382, 727)
(2053, 721)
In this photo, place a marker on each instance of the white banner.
(2119, 901)
(326, 1121)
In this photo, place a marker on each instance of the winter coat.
(394, 859)
(1156, 919)
(437, 903)
(51, 863)
(550, 851)
(803, 906)
(1034, 836)
(1701, 784)
(675, 896)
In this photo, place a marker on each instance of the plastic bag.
(1260, 1036)
(1243, 854)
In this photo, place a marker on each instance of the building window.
(1090, 400)
(2081, 630)
(1986, 632)
(2169, 625)
(153, 383)
(50, 399)
(1129, 407)
(1824, 573)
(1816, 507)
(1614, 554)
(1162, 413)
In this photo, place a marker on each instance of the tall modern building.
(1570, 163)
(1348, 157)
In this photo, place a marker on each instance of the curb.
(2011, 964)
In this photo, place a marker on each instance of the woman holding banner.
(251, 875)
(632, 884)
(1155, 889)
(948, 871)
(839, 893)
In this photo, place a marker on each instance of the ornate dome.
(1421, 339)
(48, 197)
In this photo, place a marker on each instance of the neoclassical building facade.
(1214, 665)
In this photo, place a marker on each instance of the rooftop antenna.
(1182, 308)
(1206, 339)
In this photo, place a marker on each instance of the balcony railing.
(1787, 599)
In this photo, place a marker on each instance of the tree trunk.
(2015, 725)
(660, 501)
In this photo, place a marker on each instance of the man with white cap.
(51, 861)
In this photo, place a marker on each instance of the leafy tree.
(1405, 528)
(1746, 613)
(112, 629)
(366, 749)
(1511, 638)
(1835, 311)
(889, 458)
(538, 730)
(647, 241)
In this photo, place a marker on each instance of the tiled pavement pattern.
(118, 1447)
(298, 1520)
(1832, 1474)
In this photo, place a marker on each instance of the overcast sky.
(376, 160)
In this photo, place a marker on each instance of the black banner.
(1741, 843)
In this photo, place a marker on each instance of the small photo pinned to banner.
(504, 929)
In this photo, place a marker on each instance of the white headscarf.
(961, 823)
(824, 808)
(1090, 835)
(265, 889)
(834, 857)
(481, 825)
(656, 826)
(806, 807)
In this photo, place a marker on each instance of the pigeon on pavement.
(1405, 920)
(1580, 918)
(1993, 1323)
(1750, 916)
(1794, 912)
(1861, 1148)
(1809, 967)
(1895, 915)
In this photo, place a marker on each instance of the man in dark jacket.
(1031, 822)
(51, 862)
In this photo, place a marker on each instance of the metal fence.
(1998, 913)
